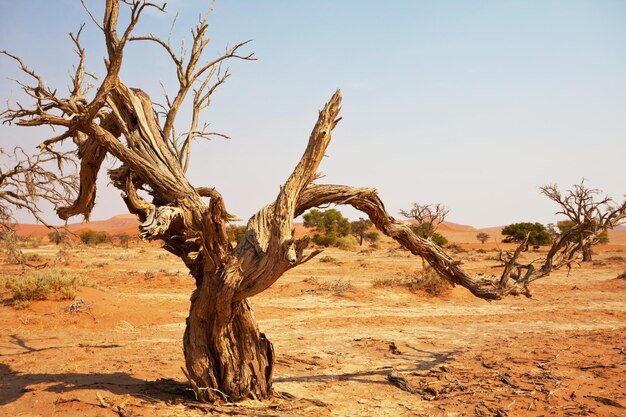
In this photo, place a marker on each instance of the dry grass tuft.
(388, 282)
(42, 285)
(330, 260)
(429, 281)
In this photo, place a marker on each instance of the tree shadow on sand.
(15, 384)
(422, 360)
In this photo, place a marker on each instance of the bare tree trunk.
(586, 250)
(226, 357)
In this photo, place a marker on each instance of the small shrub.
(149, 274)
(310, 280)
(41, 285)
(33, 257)
(341, 286)
(455, 248)
(92, 237)
(387, 282)
(338, 287)
(481, 250)
(329, 259)
(347, 243)
(67, 293)
(62, 256)
(429, 281)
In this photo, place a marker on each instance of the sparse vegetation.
(42, 285)
(426, 218)
(483, 237)
(338, 287)
(57, 237)
(123, 239)
(430, 282)
(388, 282)
(92, 237)
(330, 260)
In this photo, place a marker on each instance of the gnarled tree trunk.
(226, 357)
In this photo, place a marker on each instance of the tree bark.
(586, 250)
(227, 358)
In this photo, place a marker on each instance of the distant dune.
(123, 223)
(454, 232)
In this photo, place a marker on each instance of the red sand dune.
(123, 223)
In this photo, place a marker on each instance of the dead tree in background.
(427, 217)
(25, 181)
(226, 356)
(581, 206)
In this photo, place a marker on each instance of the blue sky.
(474, 104)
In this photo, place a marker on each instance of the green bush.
(438, 239)
(41, 285)
(426, 231)
(330, 225)
(517, 232)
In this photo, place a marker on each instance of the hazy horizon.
(474, 105)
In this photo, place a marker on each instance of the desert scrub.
(42, 285)
(388, 282)
(338, 287)
(348, 243)
(429, 281)
(330, 260)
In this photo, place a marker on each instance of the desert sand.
(339, 329)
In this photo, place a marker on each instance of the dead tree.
(427, 217)
(587, 208)
(26, 180)
(227, 357)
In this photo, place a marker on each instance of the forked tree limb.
(271, 249)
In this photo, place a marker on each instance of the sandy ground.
(338, 330)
